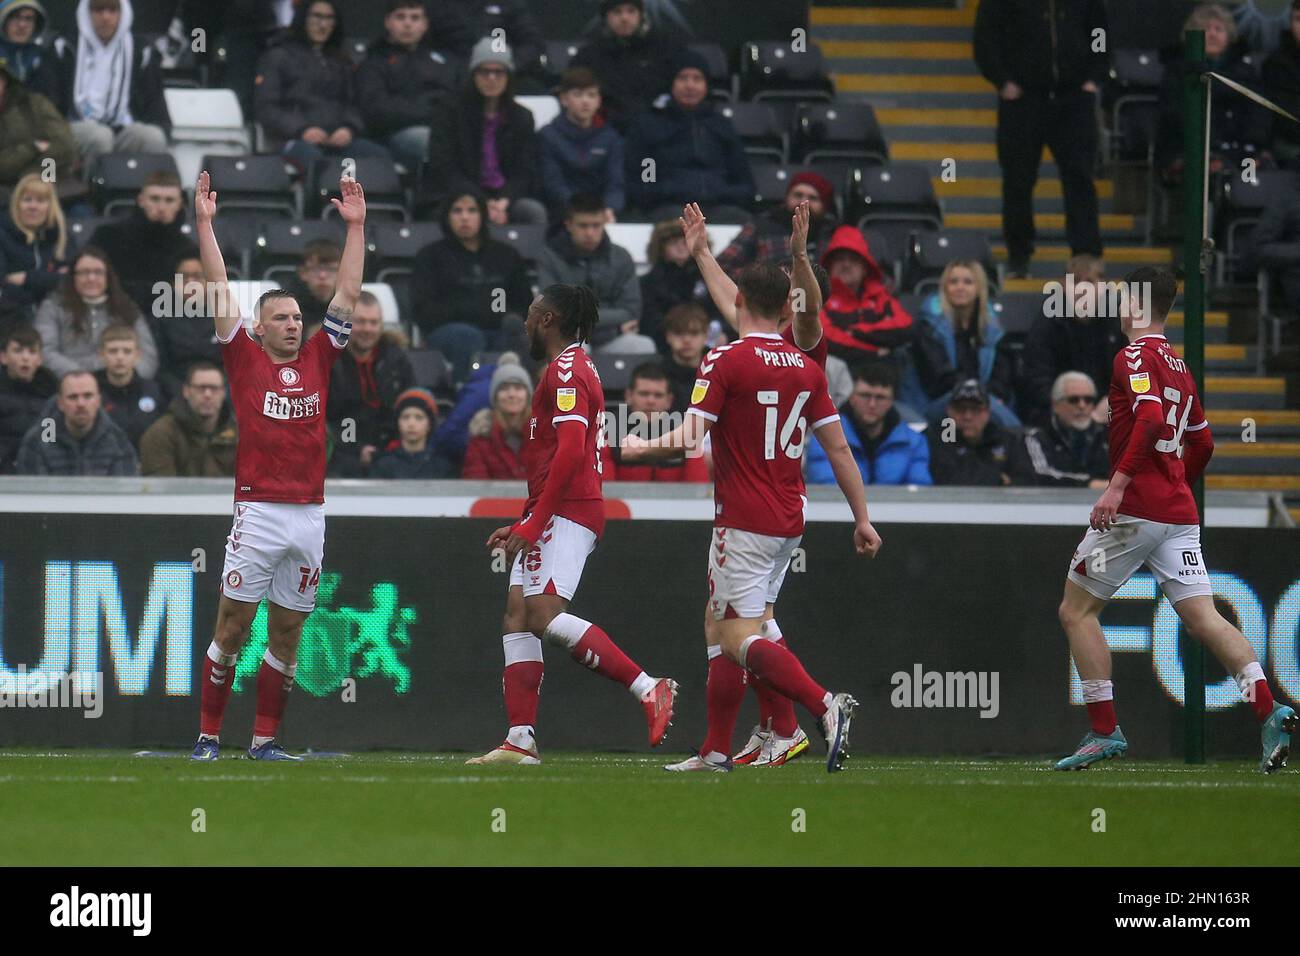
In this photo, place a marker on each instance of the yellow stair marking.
(937, 152)
(893, 50)
(1233, 353)
(910, 83)
(992, 221)
(990, 187)
(850, 17)
(1295, 514)
(914, 117)
(1253, 482)
(1257, 449)
(1245, 383)
(1113, 254)
(1265, 416)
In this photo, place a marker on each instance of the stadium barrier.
(949, 639)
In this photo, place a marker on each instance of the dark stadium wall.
(727, 22)
(404, 650)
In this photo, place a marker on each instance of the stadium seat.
(896, 193)
(1016, 311)
(838, 131)
(555, 58)
(930, 252)
(246, 295)
(431, 370)
(384, 191)
(1146, 24)
(178, 63)
(237, 237)
(280, 242)
(1132, 96)
(253, 182)
(771, 70)
(543, 108)
(1243, 206)
(388, 306)
(772, 182)
(117, 178)
(80, 231)
(888, 244)
(632, 236)
(721, 85)
(393, 245)
(527, 238)
(204, 122)
(759, 129)
(615, 371)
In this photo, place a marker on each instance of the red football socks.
(596, 651)
(775, 710)
(778, 667)
(1102, 715)
(522, 684)
(216, 677)
(274, 681)
(724, 693)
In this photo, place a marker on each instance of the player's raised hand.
(799, 230)
(352, 207)
(497, 538)
(694, 228)
(205, 201)
(866, 540)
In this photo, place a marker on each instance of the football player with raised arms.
(1160, 443)
(777, 738)
(279, 386)
(562, 521)
(759, 399)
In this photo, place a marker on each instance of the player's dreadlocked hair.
(577, 307)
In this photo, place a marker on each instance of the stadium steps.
(915, 66)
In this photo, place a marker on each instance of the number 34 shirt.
(764, 397)
(1149, 370)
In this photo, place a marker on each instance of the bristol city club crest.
(533, 560)
(234, 579)
(289, 376)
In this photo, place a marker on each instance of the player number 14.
(792, 422)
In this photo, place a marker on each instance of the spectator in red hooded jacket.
(496, 444)
(861, 317)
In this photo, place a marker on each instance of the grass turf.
(112, 808)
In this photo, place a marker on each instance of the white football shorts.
(1104, 560)
(274, 551)
(554, 564)
(746, 571)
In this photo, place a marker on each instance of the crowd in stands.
(97, 379)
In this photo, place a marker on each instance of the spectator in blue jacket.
(576, 155)
(33, 245)
(887, 450)
(957, 338)
(696, 152)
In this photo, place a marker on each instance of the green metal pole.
(1196, 92)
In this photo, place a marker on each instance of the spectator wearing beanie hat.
(412, 454)
(697, 154)
(767, 238)
(496, 444)
(486, 142)
(631, 57)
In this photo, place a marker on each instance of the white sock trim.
(744, 649)
(1096, 691)
(771, 630)
(714, 650)
(643, 685)
(1246, 679)
(522, 736)
(520, 647)
(288, 670)
(215, 655)
(566, 630)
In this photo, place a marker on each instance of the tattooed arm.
(352, 209)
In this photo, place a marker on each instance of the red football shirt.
(764, 397)
(817, 353)
(568, 391)
(280, 410)
(1149, 370)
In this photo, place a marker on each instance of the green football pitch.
(113, 808)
